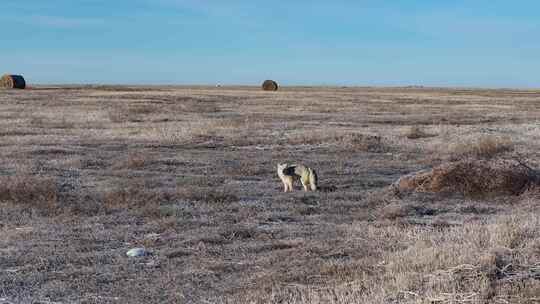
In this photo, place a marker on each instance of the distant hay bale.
(470, 178)
(12, 82)
(270, 85)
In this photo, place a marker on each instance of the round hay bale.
(12, 82)
(270, 85)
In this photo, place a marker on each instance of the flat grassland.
(189, 173)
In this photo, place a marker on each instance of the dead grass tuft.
(487, 146)
(29, 190)
(416, 132)
(44, 122)
(363, 142)
(131, 113)
(207, 195)
(352, 141)
(138, 160)
(397, 210)
(142, 109)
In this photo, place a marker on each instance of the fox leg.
(285, 184)
(313, 184)
(305, 182)
(290, 184)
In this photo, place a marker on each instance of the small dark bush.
(208, 195)
(29, 190)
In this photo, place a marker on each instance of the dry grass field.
(87, 173)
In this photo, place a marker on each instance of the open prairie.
(189, 173)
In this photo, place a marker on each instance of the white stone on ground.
(137, 252)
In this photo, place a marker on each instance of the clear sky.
(487, 43)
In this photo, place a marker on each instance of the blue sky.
(422, 42)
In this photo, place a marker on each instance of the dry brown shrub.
(37, 121)
(239, 233)
(82, 204)
(311, 138)
(137, 160)
(416, 132)
(470, 178)
(354, 141)
(142, 109)
(397, 210)
(29, 190)
(486, 146)
(131, 113)
(363, 142)
(196, 106)
(44, 122)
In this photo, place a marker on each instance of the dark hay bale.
(470, 178)
(270, 85)
(12, 82)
